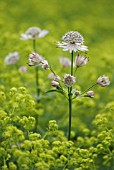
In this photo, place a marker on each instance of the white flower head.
(54, 83)
(103, 81)
(12, 58)
(81, 61)
(65, 61)
(34, 59)
(69, 80)
(23, 69)
(72, 41)
(45, 64)
(90, 94)
(34, 33)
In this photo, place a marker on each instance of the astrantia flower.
(65, 61)
(103, 81)
(54, 83)
(12, 58)
(69, 80)
(72, 41)
(45, 64)
(34, 59)
(34, 33)
(81, 61)
(90, 94)
(23, 69)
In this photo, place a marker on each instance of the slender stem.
(72, 63)
(36, 75)
(70, 112)
(75, 70)
(89, 88)
(70, 100)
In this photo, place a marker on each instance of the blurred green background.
(94, 19)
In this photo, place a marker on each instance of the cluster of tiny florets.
(73, 37)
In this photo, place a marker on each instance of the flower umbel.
(12, 58)
(81, 61)
(103, 81)
(69, 80)
(72, 41)
(33, 33)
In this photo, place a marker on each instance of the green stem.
(70, 111)
(36, 75)
(70, 100)
(89, 88)
(72, 63)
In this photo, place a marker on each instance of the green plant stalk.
(36, 75)
(70, 100)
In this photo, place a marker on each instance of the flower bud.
(23, 69)
(57, 78)
(76, 92)
(45, 64)
(54, 83)
(90, 94)
(81, 60)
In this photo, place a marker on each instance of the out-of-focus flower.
(33, 33)
(103, 81)
(65, 61)
(90, 94)
(69, 80)
(51, 76)
(81, 60)
(12, 58)
(57, 78)
(54, 77)
(76, 92)
(34, 59)
(54, 83)
(45, 64)
(72, 41)
(23, 69)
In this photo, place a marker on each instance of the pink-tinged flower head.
(34, 59)
(103, 81)
(69, 80)
(81, 61)
(65, 61)
(33, 33)
(54, 83)
(45, 64)
(23, 69)
(57, 78)
(72, 41)
(90, 94)
(12, 58)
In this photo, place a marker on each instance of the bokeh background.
(93, 19)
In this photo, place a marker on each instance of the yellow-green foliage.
(33, 136)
